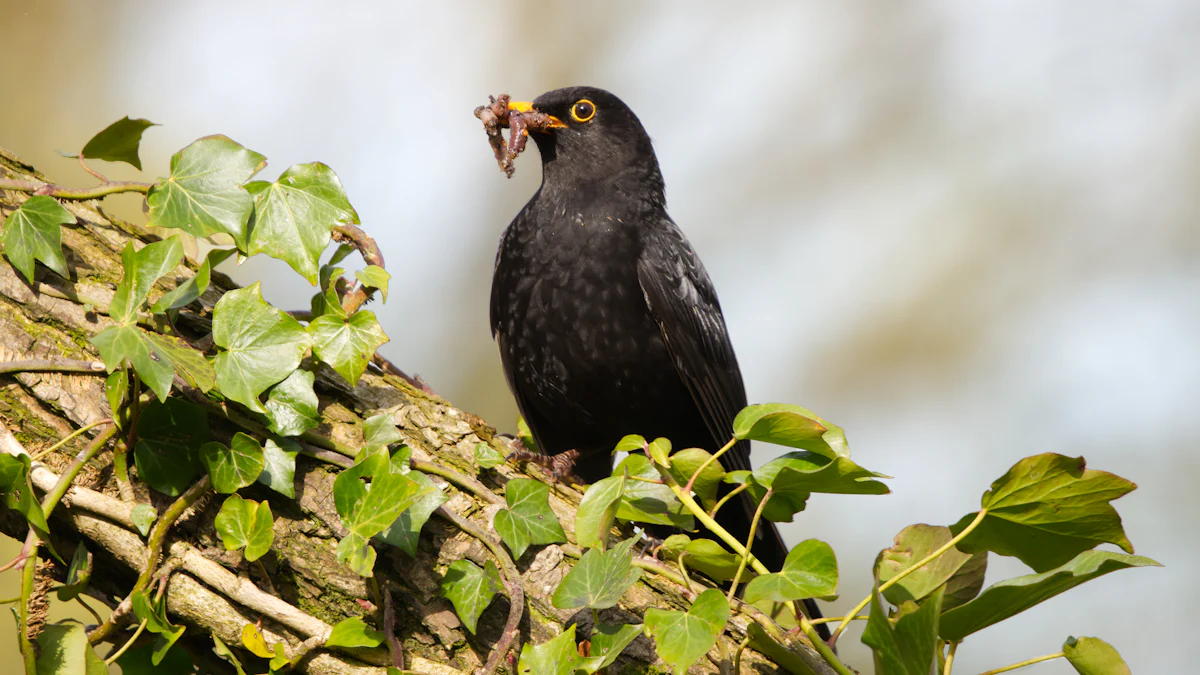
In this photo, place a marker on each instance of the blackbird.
(606, 320)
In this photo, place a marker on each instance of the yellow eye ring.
(583, 110)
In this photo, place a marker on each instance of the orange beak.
(527, 106)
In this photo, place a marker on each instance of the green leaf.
(405, 532)
(354, 632)
(906, 645)
(169, 436)
(155, 616)
(143, 516)
(326, 300)
(118, 142)
(138, 661)
(370, 511)
(471, 589)
(18, 490)
(279, 466)
(142, 269)
(358, 554)
(594, 519)
(652, 503)
(599, 580)
(33, 232)
(225, 653)
(340, 253)
(204, 193)
(261, 345)
(379, 431)
(961, 573)
(280, 659)
(245, 523)
(116, 390)
(235, 466)
(193, 287)
(294, 215)
(79, 573)
(487, 457)
(1093, 656)
(683, 637)
(631, 443)
(608, 641)
(559, 656)
(375, 276)
(347, 345)
(684, 465)
(528, 519)
(184, 359)
(121, 343)
(809, 571)
(1013, 596)
(659, 450)
(790, 425)
(292, 404)
(64, 650)
(705, 556)
(1046, 510)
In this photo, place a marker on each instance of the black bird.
(606, 320)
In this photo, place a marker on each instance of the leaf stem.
(1027, 662)
(128, 643)
(73, 434)
(60, 192)
(950, 658)
(831, 619)
(913, 568)
(717, 507)
(712, 458)
(28, 654)
(749, 544)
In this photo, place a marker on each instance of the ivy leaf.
(33, 232)
(64, 648)
(18, 490)
(142, 269)
(809, 571)
(683, 637)
(487, 457)
(559, 656)
(292, 404)
(961, 573)
(185, 360)
(116, 390)
(599, 580)
(652, 503)
(790, 425)
(204, 193)
(294, 215)
(528, 519)
(169, 436)
(367, 511)
(347, 344)
(631, 443)
(235, 466)
(379, 431)
(326, 300)
(684, 465)
(155, 616)
(358, 554)
(222, 651)
(279, 466)
(608, 641)
(253, 640)
(905, 645)
(118, 142)
(405, 532)
(193, 287)
(659, 450)
(375, 276)
(1046, 510)
(597, 510)
(354, 632)
(121, 343)
(1093, 656)
(471, 589)
(143, 516)
(245, 523)
(1013, 596)
(261, 345)
(137, 661)
(79, 573)
(705, 556)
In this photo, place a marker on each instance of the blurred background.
(966, 232)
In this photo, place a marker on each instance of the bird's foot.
(560, 467)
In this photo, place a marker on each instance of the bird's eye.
(583, 110)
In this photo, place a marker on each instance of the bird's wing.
(684, 304)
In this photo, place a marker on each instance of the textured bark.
(212, 591)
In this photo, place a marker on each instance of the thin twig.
(96, 174)
(355, 235)
(457, 479)
(52, 366)
(60, 192)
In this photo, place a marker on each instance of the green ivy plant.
(258, 366)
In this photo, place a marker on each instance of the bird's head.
(592, 137)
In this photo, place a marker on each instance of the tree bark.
(300, 590)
